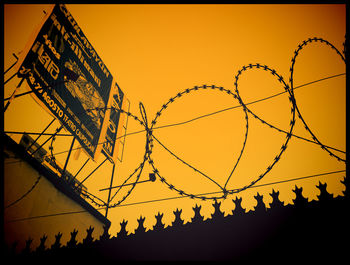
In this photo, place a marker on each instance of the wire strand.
(234, 107)
(173, 198)
(252, 102)
(197, 170)
(216, 192)
(26, 193)
(217, 112)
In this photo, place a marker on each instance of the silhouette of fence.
(312, 230)
(149, 126)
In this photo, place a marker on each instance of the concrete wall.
(45, 199)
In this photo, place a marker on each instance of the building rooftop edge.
(62, 186)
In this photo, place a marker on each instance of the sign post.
(13, 94)
(109, 192)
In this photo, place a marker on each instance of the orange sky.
(156, 51)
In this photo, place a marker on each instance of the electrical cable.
(35, 133)
(197, 118)
(217, 112)
(216, 192)
(172, 198)
(294, 107)
(249, 103)
(195, 169)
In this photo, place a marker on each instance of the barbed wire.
(207, 115)
(35, 182)
(291, 98)
(292, 120)
(200, 117)
(255, 186)
(165, 106)
(26, 193)
(291, 80)
(52, 157)
(236, 96)
(38, 178)
(150, 135)
(92, 197)
(141, 166)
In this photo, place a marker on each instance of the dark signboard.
(69, 78)
(115, 128)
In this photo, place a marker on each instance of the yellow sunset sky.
(156, 51)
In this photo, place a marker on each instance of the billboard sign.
(115, 128)
(68, 78)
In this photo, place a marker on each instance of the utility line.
(178, 158)
(172, 198)
(222, 110)
(238, 106)
(35, 133)
(216, 192)
(143, 181)
(234, 107)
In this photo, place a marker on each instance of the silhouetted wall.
(49, 196)
(305, 231)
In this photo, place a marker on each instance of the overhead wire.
(200, 172)
(203, 116)
(255, 186)
(235, 96)
(176, 197)
(253, 102)
(249, 103)
(288, 134)
(222, 110)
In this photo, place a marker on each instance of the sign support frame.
(14, 92)
(109, 193)
(68, 156)
(40, 134)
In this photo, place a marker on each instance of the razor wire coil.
(291, 80)
(288, 88)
